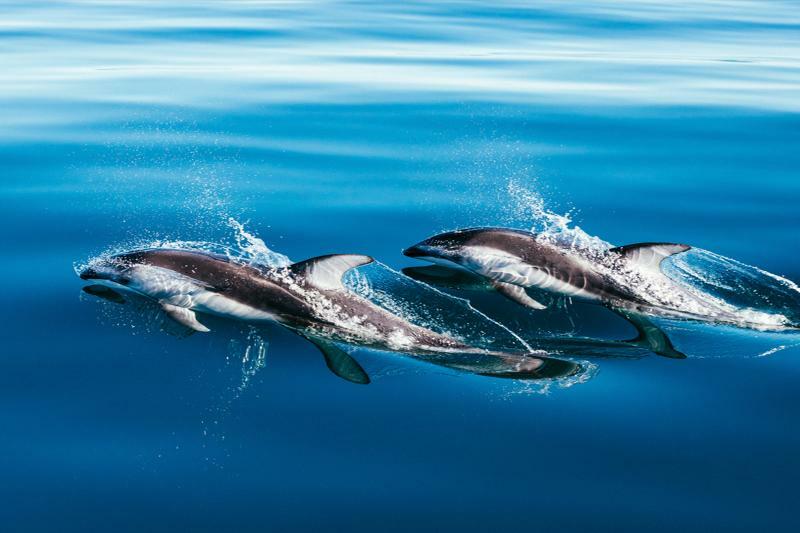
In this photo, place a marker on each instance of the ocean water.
(295, 129)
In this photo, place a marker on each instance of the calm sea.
(350, 127)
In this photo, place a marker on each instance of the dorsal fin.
(326, 271)
(650, 254)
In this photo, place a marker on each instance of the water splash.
(552, 227)
(698, 284)
(754, 295)
(240, 245)
(255, 249)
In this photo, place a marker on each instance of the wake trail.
(468, 304)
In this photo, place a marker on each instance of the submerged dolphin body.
(307, 297)
(514, 260)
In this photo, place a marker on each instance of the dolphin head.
(113, 268)
(445, 248)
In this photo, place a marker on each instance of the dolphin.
(307, 297)
(513, 260)
(649, 336)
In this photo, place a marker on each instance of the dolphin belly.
(173, 288)
(218, 304)
(504, 267)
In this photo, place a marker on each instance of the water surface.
(330, 127)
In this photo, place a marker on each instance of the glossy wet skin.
(217, 273)
(477, 249)
(270, 290)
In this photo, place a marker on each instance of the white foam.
(691, 294)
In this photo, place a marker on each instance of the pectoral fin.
(183, 316)
(517, 294)
(340, 362)
(649, 335)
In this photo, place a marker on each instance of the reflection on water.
(592, 53)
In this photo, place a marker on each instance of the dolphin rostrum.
(307, 297)
(515, 260)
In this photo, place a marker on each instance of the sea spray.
(696, 284)
(550, 226)
(255, 249)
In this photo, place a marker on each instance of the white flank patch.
(168, 286)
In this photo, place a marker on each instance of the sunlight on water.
(431, 52)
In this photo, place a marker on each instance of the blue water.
(364, 128)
